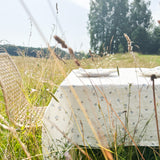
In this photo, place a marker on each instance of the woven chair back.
(11, 85)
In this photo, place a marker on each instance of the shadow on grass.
(123, 153)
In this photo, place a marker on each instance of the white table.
(108, 104)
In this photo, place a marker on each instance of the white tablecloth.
(95, 111)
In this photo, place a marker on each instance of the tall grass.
(42, 76)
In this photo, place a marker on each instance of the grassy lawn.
(41, 75)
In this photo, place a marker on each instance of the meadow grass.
(42, 76)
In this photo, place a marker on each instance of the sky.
(68, 20)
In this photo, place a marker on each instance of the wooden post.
(155, 107)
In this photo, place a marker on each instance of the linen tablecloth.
(101, 109)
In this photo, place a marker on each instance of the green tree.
(140, 22)
(120, 24)
(140, 14)
(107, 19)
(155, 41)
(141, 40)
(99, 24)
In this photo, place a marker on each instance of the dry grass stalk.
(57, 7)
(154, 150)
(106, 152)
(82, 132)
(33, 157)
(60, 59)
(155, 107)
(14, 132)
(73, 56)
(42, 35)
(30, 33)
(65, 136)
(90, 53)
(121, 122)
(111, 43)
(130, 48)
(77, 123)
(71, 52)
(60, 41)
(139, 93)
(77, 62)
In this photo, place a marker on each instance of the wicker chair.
(18, 109)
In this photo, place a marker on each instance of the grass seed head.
(71, 51)
(60, 41)
(77, 62)
(129, 42)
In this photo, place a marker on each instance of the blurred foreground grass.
(41, 76)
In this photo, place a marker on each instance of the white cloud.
(82, 3)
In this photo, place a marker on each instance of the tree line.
(110, 19)
(37, 52)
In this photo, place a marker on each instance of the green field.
(41, 75)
